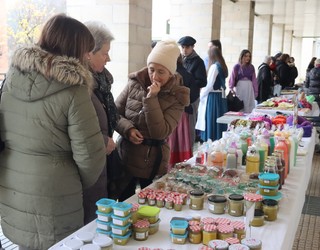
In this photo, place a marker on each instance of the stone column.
(296, 52)
(261, 38)
(130, 22)
(287, 41)
(199, 19)
(277, 38)
(237, 23)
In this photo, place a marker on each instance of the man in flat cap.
(194, 65)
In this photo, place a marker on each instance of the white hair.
(100, 33)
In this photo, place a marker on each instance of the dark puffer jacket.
(154, 117)
(312, 82)
(53, 147)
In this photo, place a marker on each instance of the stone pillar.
(130, 22)
(287, 42)
(199, 19)
(296, 52)
(237, 23)
(277, 38)
(261, 38)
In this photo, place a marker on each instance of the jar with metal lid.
(209, 232)
(141, 230)
(134, 213)
(195, 235)
(238, 229)
(232, 240)
(252, 243)
(142, 198)
(160, 200)
(253, 199)
(258, 219)
(177, 203)
(270, 209)
(236, 205)
(225, 231)
(217, 204)
(151, 199)
(219, 244)
(169, 202)
(196, 199)
(238, 247)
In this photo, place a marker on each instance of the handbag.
(233, 102)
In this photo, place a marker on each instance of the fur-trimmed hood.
(35, 73)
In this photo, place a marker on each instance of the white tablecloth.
(276, 235)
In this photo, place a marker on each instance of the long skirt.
(245, 93)
(180, 142)
(216, 107)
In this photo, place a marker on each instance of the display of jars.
(217, 204)
(236, 205)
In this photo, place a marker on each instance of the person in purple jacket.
(243, 81)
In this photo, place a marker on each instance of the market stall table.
(276, 235)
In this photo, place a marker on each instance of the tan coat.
(155, 118)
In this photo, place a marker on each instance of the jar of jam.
(169, 202)
(134, 214)
(207, 220)
(209, 232)
(196, 199)
(232, 240)
(151, 199)
(253, 199)
(177, 203)
(258, 219)
(142, 198)
(160, 200)
(225, 231)
(236, 205)
(252, 243)
(195, 236)
(141, 230)
(238, 247)
(217, 204)
(270, 209)
(219, 244)
(238, 229)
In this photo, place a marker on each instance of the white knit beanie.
(165, 53)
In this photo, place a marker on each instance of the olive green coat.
(54, 147)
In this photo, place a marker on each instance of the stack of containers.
(104, 214)
(121, 223)
(179, 231)
(269, 185)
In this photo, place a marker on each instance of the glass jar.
(134, 213)
(195, 236)
(196, 199)
(238, 229)
(252, 243)
(232, 240)
(258, 219)
(160, 201)
(225, 231)
(217, 204)
(238, 247)
(219, 244)
(253, 199)
(252, 160)
(280, 165)
(236, 205)
(282, 145)
(270, 209)
(151, 199)
(169, 202)
(177, 204)
(209, 232)
(141, 230)
(142, 198)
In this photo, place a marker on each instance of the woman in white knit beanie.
(150, 107)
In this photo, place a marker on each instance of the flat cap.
(187, 41)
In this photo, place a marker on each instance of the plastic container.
(122, 209)
(74, 244)
(179, 238)
(90, 247)
(238, 229)
(121, 221)
(178, 226)
(104, 242)
(236, 205)
(219, 244)
(153, 228)
(120, 230)
(86, 237)
(105, 205)
(121, 240)
(103, 225)
(269, 179)
(141, 230)
(253, 244)
(217, 204)
(268, 191)
(196, 199)
(209, 233)
(270, 209)
(103, 216)
(149, 213)
(258, 219)
(103, 232)
(238, 247)
(225, 231)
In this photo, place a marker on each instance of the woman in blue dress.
(212, 98)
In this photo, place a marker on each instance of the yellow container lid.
(148, 211)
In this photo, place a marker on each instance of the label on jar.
(142, 200)
(211, 207)
(233, 211)
(152, 202)
(141, 236)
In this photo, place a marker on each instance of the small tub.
(122, 209)
(120, 221)
(103, 225)
(179, 226)
(268, 190)
(118, 230)
(74, 244)
(103, 241)
(90, 247)
(269, 179)
(121, 240)
(149, 213)
(179, 238)
(86, 237)
(103, 232)
(105, 205)
(153, 228)
(103, 216)
(62, 247)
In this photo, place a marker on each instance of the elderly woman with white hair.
(103, 101)
(265, 82)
